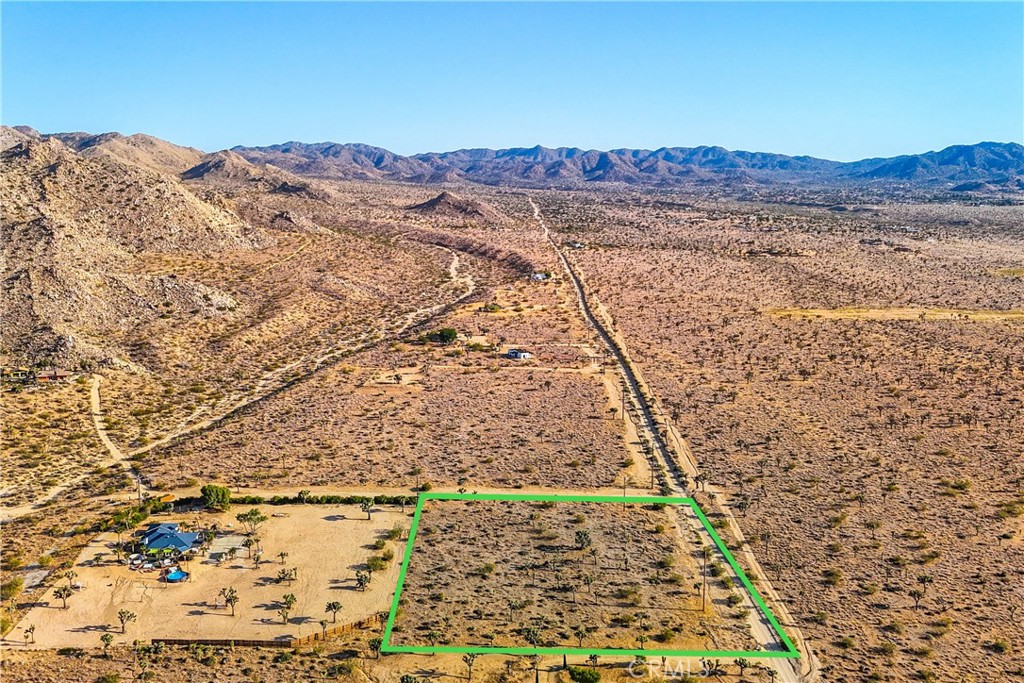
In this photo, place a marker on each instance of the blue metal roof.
(166, 535)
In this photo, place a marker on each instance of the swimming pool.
(176, 576)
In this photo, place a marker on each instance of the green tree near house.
(216, 497)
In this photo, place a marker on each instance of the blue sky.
(842, 81)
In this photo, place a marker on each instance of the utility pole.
(704, 581)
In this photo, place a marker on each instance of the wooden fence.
(374, 621)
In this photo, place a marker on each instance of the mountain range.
(986, 165)
(981, 167)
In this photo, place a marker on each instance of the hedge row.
(308, 500)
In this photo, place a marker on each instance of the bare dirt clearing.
(190, 609)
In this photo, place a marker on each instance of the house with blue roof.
(167, 537)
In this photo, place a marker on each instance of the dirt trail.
(272, 383)
(678, 470)
(117, 457)
(268, 385)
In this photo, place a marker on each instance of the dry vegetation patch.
(48, 438)
(875, 455)
(464, 426)
(560, 574)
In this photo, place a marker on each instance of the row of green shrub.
(327, 499)
(309, 499)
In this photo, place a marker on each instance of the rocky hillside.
(75, 232)
(129, 252)
(448, 205)
(226, 168)
(138, 150)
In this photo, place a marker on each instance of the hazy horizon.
(843, 82)
(456, 149)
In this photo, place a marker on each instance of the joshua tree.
(30, 633)
(588, 581)
(924, 580)
(580, 632)
(107, 639)
(916, 595)
(323, 628)
(592, 660)
(283, 555)
(251, 520)
(63, 593)
(468, 659)
(743, 665)
(374, 644)
(230, 596)
(367, 507)
(433, 637)
(362, 580)
(531, 634)
(248, 545)
(70, 575)
(285, 575)
(642, 639)
(333, 607)
(514, 606)
(125, 616)
(289, 600)
(535, 661)
(284, 612)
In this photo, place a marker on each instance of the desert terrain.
(835, 375)
(555, 574)
(853, 388)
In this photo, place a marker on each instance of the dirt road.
(678, 470)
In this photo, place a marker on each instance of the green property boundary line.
(386, 646)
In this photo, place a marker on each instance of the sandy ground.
(326, 543)
(473, 559)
